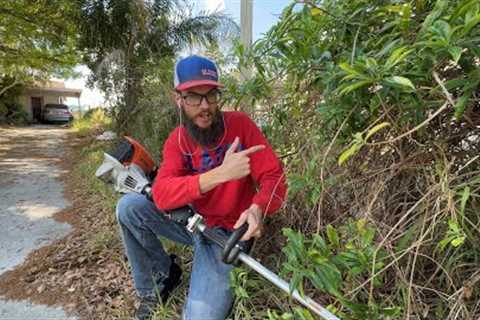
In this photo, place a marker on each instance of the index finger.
(253, 149)
(251, 231)
(233, 146)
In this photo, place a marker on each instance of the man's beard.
(205, 136)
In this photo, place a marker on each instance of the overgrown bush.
(374, 108)
(18, 115)
(11, 111)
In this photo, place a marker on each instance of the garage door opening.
(36, 103)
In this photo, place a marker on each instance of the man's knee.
(128, 206)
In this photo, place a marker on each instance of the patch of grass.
(92, 121)
(106, 237)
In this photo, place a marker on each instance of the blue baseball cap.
(195, 71)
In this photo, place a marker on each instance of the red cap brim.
(196, 83)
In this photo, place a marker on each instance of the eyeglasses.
(195, 99)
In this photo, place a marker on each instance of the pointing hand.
(236, 165)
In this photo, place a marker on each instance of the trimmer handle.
(233, 246)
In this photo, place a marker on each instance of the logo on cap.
(211, 73)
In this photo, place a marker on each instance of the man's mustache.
(205, 136)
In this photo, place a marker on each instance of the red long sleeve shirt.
(177, 181)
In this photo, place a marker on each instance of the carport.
(35, 98)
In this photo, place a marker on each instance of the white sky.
(89, 98)
(215, 5)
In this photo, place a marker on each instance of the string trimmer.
(131, 169)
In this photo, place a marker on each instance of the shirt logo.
(207, 161)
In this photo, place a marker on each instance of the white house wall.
(52, 99)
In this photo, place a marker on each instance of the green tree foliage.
(374, 107)
(130, 47)
(37, 40)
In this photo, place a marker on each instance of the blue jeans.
(210, 296)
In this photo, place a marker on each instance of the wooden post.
(246, 11)
(246, 25)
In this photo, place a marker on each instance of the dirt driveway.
(30, 194)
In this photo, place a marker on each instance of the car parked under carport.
(56, 113)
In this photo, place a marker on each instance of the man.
(222, 165)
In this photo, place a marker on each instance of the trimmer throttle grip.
(232, 246)
(181, 215)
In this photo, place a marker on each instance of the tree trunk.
(132, 94)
